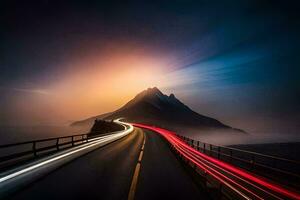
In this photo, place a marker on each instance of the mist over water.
(221, 137)
(285, 145)
(14, 134)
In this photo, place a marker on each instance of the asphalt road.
(236, 182)
(107, 173)
(162, 176)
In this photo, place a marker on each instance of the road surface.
(107, 173)
(162, 176)
(241, 183)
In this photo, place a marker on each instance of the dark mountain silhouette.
(151, 106)
(90, 121)
(103, 127)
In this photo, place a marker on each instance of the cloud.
(224, 70)
(34, 91)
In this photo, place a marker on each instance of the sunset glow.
(88, 89)
(119, 93)
(73, 62)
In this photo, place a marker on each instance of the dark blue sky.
(236, 60)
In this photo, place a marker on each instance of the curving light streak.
(201, 160)
(193, 155)
(92, 143)
(219, 176)
(203, 167)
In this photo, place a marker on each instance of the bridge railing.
(17, 152)
(282, 170)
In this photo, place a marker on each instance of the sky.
(237, 61)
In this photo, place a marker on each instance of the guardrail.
(281, 170)
(24, 173)
(212, 169)
(15, 153)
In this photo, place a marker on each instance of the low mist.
(225, 137)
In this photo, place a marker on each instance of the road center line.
(136, 172)
(141, 156)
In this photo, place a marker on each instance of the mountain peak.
(150, 92)
(153, 91)
(153, 107)
(172, 96)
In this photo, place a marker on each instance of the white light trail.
(92, 143)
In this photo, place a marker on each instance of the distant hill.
(103, 127)
(151, 106)
(90, 121)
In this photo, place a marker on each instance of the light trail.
(232, 174)
(221, 177)
(203, 167)
(200, 159)
(67, 153)
(258, 186)
(209, 170)
(217, 175)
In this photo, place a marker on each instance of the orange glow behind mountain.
(98, 85)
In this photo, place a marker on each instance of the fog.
(224, 137)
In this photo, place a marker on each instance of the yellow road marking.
(141, 156)
(134, 182)
(136, 172)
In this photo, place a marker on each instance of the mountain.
(151, 106)
(90, 121)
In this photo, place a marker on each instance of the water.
(219, 137)
(285, 150)
(10, 134)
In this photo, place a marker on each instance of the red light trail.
(242, 182)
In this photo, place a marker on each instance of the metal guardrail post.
(203, 147)
(219, 152)
(72, 141)
(210, 149)
(252, 162)
(57, 144)
(34, 148)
